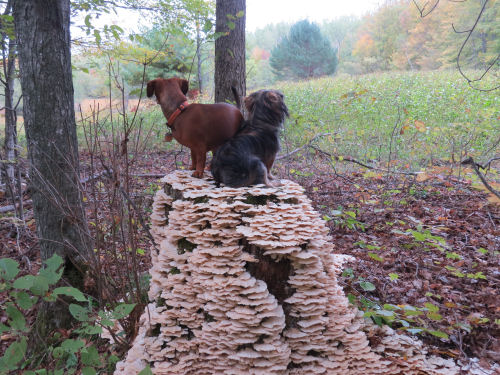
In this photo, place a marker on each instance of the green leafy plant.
(67, 354)
(345, 219)
(405, 317)
(425, 236)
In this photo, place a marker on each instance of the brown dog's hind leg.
(201, 158)
(193, 161)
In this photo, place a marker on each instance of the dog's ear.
(150, 89)
(184, 85)
(273, 96)
(249, 103)
(277, 97)
(284, 107)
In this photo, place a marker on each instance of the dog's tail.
(237, 98)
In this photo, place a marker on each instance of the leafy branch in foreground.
(65, 353)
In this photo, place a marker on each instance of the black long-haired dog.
(247, 158)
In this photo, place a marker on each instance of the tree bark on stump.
(42, 31)
(230, 49)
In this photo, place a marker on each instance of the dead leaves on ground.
(430, 246)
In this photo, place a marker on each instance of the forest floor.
(427, 248)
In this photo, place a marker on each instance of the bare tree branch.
(351, 160)
(460, 32)
(12, 207)
(421, 10)
(470, 81)
(303, 146)
(476, 166)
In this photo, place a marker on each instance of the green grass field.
(430, 116)
(419, 118)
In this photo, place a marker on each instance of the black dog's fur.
(247, 158)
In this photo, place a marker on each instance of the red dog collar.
(176, 113)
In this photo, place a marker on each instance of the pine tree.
(303, 53)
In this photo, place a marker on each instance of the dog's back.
(201, 127)
(208, 125)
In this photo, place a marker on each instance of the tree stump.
(245, 282)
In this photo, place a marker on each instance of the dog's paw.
(198, 174)
(274, 183)
(168, 137)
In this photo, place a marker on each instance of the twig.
(396, 125)
(351, 160)
(469, 80)
(469, 32)
(303, 146)
(109, 173)
(11, 207)
(139, 215)
(421, 10)
(148, 175)
(491, 219)
(94, 177)
(488, 163)
(476, 166)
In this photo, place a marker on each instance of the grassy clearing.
(148, 125)
(411, 119)
(430, 117)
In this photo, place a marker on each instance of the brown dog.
(201, 127)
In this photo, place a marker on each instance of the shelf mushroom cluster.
(213, 310)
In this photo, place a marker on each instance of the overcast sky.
(263, 12)
(260, 13)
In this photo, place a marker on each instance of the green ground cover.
(412, 119)
(418, 118)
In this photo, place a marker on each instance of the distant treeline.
(397, 37)
(394, 37)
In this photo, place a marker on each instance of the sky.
(263, 12)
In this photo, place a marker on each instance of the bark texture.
(230, 49)
(9, 58)
(42, 30)
(10, 113)
(198, 56)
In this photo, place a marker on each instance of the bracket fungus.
(245, 282)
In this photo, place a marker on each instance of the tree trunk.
(42, 30)
(10, 112)
(9, 59)
(230, 49)
(198, 55)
